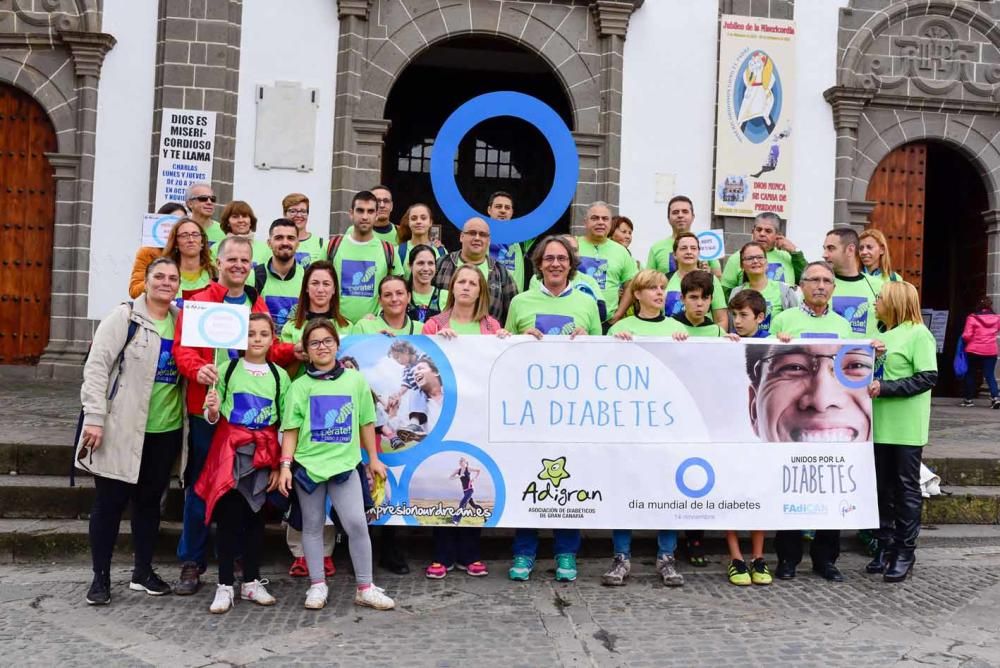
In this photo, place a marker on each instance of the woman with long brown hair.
(188, 247)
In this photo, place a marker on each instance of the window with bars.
(493, 163)
(417, 159)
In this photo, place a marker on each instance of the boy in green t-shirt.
(697, 289)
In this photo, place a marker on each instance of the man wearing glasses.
(310, 248)
(475, 250)
(200, 200)
(814, 318)
(785, 262)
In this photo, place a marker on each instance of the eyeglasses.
(477, 233)
(803, 365)
(329, 342)
(753, 259)
(297, 212)
(205, 198)
(552, 259)
(822, 280)
(187, 236)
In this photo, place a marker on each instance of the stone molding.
(88, 50)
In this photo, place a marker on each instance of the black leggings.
(237, 525)
(158, 454)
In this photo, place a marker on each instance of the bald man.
(475, 250)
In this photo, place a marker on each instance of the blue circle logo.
(216, 316)
(552, 127)
(711, 244)
(161, 229)
(838, 367)
(709, 475)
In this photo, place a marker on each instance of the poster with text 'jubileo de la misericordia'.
(602, 433)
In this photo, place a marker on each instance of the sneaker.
(995, 403)
(396, 443)
(967, 403)
(316, 596)
(189, 581)
(373, 597)
(150, 583)
(666, 566)
(299, 569)
(411, 432)
(329, 570)
(476, 569)
(100, 590)
(254, 591)
(738, 574)
(437, 571)
(223, 600)
(565, 567)
(520, 568)
(620, 569)
(759, 573)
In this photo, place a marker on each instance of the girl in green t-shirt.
(901, 418)
(426, 301)
(329, 416)
(414, 230)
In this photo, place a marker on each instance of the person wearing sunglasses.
(131, 427)
(200, 200)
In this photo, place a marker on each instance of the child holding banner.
(242, 463)
(329, 416)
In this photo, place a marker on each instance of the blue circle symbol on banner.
(546, 121)
(714, 236)
(239, 331)
(709, 477)
(158, 232)
(838, 367)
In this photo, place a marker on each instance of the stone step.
(964, 505)
(51, 497)
(978, 471)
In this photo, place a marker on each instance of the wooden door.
(27, 211)
(898, 189)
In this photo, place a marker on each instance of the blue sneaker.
(565, 567)
(520, 568)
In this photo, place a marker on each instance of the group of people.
(287, 420)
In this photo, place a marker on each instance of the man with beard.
(279, 280)
(382, 229)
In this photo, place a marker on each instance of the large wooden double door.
(27, 210)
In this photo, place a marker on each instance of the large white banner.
(754, 116)
(602, 433)
(186, 152)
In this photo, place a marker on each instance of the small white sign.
(156, 228)
(215, 325)
(712, 244)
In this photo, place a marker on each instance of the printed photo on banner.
(453, 489)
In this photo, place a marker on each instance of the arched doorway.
(929, 200)
(499, 154)
(27, 211)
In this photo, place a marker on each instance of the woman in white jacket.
(133, 411)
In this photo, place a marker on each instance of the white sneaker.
(316, 596)
(373, 597)
(254, 591)
(223, 599)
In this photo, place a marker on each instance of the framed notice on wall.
(187, 148)
(754, 116)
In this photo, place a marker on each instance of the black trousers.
(158, 454)
(825, 547)
(897, 478)
(237, 526)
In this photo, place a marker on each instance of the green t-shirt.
(329, 415)
(674, 303)
(483, 267)
(248, 400)
(854, 299)
(281, 294)
(261, 252)
(310, 250)
(611, 265)
(191, 284)
(166, 404)
(910, 349)
(661, 257)
(292, 334)
(377, 325)
(464, 327)
(403, 259)
(801, 325)
(511, 256)
(587, 285)
(214, 233)
(381, 233)
(780, 267)
(553, 315)
(360, 267)
(639, 327)
(425, 299)
(707, 328)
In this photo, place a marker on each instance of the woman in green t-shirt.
(393, 319)
(873, 250)
(902, 411)
(131, 427)
(188, 247)
(426, 300)
(414, 230)
(329, 416)
(649, 290)
(779, 296)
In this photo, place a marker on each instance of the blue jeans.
(988, 365)
(567, 541)
(666, 542)
(194, 533)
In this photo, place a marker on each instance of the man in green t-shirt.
(279, 280)
(382, 229)
(814, 318)
(607, 261)
(680, 215)
(361, 261)
(785, 262)
(295, 207)
(856, 291)
(200, 200)
(511, 256)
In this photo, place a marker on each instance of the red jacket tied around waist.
(217, 477)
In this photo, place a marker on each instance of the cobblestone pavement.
(945, 616)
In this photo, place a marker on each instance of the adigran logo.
(553, 474)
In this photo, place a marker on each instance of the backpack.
(390, 253)
(277, 386)
(133, 328)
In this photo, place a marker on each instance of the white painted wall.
(121, 169)
(668, 115)
(277, 45)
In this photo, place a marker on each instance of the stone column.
(992, 220)
(847, 104)
(589, 148)
(351, 135)
(69, 328)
